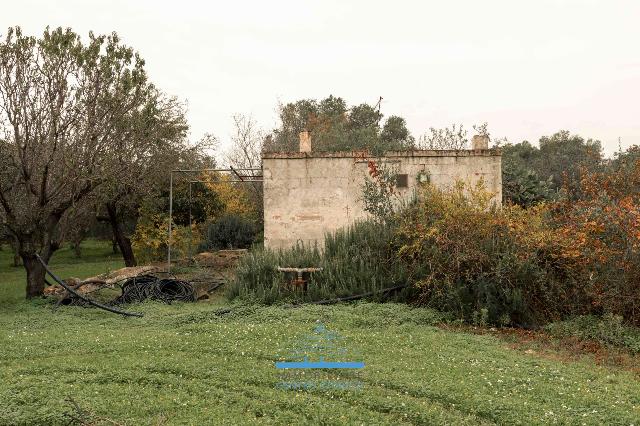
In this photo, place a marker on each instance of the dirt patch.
(222, 259)
(210, 271)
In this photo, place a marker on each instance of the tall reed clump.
(355, 260)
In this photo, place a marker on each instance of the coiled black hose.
(146, 287)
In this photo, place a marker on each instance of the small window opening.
(402, 181)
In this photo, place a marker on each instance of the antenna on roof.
(378, 104)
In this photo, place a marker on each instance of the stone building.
(307, 194)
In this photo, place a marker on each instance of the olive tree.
(336, 127)
(69, 124)
(161, 132)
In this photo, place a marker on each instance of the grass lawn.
(97, 257)
(190, 364)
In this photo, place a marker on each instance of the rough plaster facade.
(309, 193)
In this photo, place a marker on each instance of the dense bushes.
(576, 256)
(229, 232)
(484, 264)
(523, 186)
(601, 218)
(217, 214)
(355, 260)
(509, 265)
(487, 265)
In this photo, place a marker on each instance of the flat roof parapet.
(389, 154)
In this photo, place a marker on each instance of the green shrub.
(151, 238)
(484, 264)
(608, 330)
(523, 186)
(355, 260)
(229, 232)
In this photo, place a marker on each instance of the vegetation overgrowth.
(486, 264)
(218, 214)
(229, 232)
(608, 330)
(355, 260)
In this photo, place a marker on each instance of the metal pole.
(170, 221)
(241, 179)
(190, 232)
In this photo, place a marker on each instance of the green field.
(194, 364)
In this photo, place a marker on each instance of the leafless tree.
(246, 152)
(246, 143)
(454, 138)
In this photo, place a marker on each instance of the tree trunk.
(35, 275)
(124, 243)
(17, 260)
(76, 242)
(35, 270)
(77, 250)
(29, 246)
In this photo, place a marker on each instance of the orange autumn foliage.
(234, 196)
(575, 256)
(602, 220)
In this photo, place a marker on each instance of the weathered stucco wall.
(307, 194)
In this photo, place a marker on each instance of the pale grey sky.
(529, 68)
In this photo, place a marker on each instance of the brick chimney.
(305, 141)
(480, 142)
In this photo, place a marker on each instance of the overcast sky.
(529, 68)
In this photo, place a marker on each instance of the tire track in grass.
(266, 396)
(446, 402)
(387, 391)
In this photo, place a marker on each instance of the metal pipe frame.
(251, 178)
